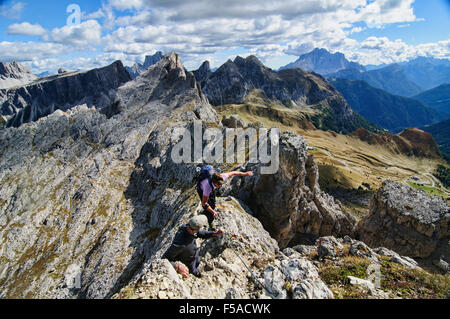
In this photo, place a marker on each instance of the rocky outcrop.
(224, 266)
(406, 220)
(61, 92)
(329, 247)
(137, 68)
(235, 80)
(15, 74)
(289, 203)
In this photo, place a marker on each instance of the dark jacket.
(185, 249)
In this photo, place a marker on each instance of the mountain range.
(391, 79)
(405, 78)
(392, 112)
(427, 73)
(308, 93)
(42, 97)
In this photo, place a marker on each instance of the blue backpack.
(206, 171)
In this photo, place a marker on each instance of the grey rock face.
(224, 265)
(83, 195)
(331, 247)
(290, 203)
(202, 74)
(234, 80)
(297, 277)
(402, 260)
(41, 98)
(14, 74)
(405, 220)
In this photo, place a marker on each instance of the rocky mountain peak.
(203, 72)
(174, 61)
(251, 66)
(14, 74)
(137, 69)
(323, 62)
(152, 59)
(250, 59)
(205, 67)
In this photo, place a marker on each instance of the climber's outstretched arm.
(238, 173)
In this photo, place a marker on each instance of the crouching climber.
(184, 250)
(208, 182)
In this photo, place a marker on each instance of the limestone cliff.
(61, 92)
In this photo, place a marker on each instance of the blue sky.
(367, 31)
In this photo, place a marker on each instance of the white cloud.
(12, 12)
(29, 51)
(199, 29)
(377, 50)
(381, 12)
(126, 4)
(87, 33)
(25, 28)
(94, 15)
(80, 63)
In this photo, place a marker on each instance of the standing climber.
(207, 184)
(184, 250)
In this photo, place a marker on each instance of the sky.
(83, 34)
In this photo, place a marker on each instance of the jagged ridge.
(29, 103)
(233, 82)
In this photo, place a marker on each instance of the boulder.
(233, 121)
(297, 277)
(329, 247)
(405, 220)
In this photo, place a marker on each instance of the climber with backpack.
(184, 250)
(208, 182)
